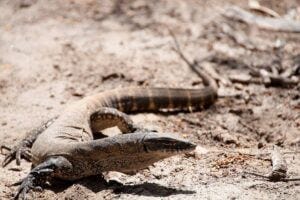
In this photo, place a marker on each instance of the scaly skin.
(67, 149)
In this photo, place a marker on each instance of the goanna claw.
(38, 176)
(17, 152)
(32, 182)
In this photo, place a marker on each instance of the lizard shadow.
(150, 189)
(143, 189)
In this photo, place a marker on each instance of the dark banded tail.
(156, 99)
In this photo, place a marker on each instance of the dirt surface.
(56, 52)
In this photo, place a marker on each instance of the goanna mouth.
(168, 145)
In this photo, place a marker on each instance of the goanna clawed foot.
(23, 148)
(32, 182)
(39, 175)
(16, 153)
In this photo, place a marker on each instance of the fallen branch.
(207, 66)
(279, 165)
(239, 37)
(275, 24)
(279, 168)
(266, 78)
(255, 5)
(207, 80)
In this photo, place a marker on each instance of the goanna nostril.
(192, 145)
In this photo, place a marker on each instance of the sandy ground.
(56, 52)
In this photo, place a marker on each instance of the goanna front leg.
(107, 117)
(39, 175)
(22, 149)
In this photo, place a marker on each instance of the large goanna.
(66, 147)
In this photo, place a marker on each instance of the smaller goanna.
(67, 147)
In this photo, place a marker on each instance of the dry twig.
(239, 37)
(279, 168)
(267, 79)
(255, 5)
(275, 24)
(207, 80)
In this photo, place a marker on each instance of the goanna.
(66, 148)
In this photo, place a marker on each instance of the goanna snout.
(166, 143)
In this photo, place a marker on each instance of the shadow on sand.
(97, 184)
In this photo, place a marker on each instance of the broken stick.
(279, 168)
(275, 24)
(255, 5)
(207, 80)
(265, 78)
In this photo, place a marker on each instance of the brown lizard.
(66, 148)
